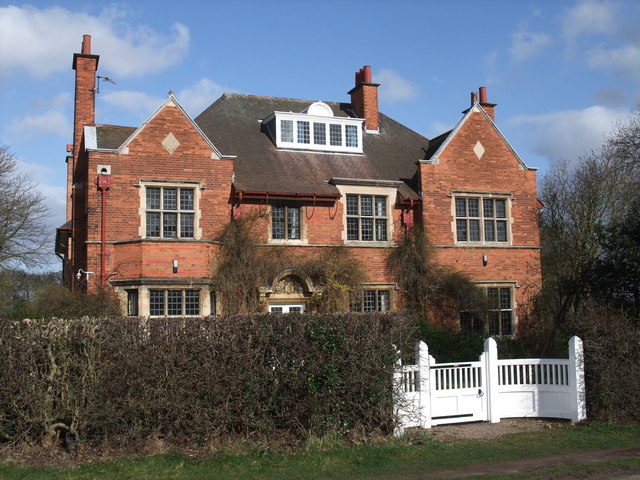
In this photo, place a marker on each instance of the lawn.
(389, 458)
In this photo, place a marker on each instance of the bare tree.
(24, 232)
(581, 203)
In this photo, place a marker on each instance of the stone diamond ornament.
(170, 143)
(478, 150)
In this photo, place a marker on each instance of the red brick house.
(146, 202)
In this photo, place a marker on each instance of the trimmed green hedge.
(195, 378)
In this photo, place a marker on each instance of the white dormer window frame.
(316, 129)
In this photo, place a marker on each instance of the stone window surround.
(481, 195)
(157, 183)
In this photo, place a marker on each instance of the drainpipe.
(103, 182)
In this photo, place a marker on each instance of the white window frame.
(287, 307)
(196, 187)
(481, 197)
(298, 143)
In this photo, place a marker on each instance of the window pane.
(213, 303)
(170, 225)
(352, 205)
(351, 135)
(277, 222)
(132, 303)
(488, 207)
(174, 302)
(192, 302)
(505, 298)
(293, 223)
(501, 211)
(186, 225)
(170, 198)
(153, 198)
(352, 228)
(319, 133)
(275, 309)
(286, 130)
(186, 199)
(366, 206)
(492, 297)
(461, 230)
(381, 206)
(502, 230)
(366, 226)
(474, 230)
(156, 302)
(153, 224)
(383, 301)
(494, 323)
(506, 322)
(303, 132)
(461, 207)
(335, 135)
(381, 230)
(473, 207)
(295, 309)
(369, 301)
(489, 231)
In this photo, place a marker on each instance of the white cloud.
(525, 45)
(39, 41)
(200, 95)
(394, 87)
(568, 134)
(138, 103)
(33, 126)
(624, 60)
(588, 17)
(193, 98)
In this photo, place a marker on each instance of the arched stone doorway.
(290, 291)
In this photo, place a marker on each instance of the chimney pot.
(367, 74)
(483, 95)
(86, 44)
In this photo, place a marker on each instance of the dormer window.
(316, 128)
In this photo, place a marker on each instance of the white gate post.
(422, 359)
(491, 388)
(576, 380)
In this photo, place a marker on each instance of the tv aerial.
(106, 79)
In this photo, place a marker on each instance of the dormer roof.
(236, 124)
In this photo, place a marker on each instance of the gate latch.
(480, 393)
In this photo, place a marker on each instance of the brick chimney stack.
(85, 64)
(488, 107)
(364, 99)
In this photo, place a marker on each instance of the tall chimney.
(85, 64)
(364, 99)
(488, 107)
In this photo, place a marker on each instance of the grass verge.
(411, 455)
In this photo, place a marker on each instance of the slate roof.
(111, 137)
(232, 123)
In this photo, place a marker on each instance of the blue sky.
(561, 72)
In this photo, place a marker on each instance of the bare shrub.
(338, 274)
(612, 360)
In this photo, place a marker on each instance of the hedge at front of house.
(126, 378)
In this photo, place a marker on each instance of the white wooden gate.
(458, 392)
(431, 393)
